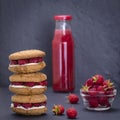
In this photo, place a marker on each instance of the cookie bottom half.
(39, 111)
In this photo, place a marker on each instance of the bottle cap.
(63, 17)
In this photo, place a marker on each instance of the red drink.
(63, 56)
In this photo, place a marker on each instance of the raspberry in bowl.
(98, 94)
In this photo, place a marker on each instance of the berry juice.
(63, 61)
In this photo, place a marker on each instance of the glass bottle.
(63, 55)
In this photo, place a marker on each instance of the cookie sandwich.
(28, 84)
(27, 61)
(29, 105)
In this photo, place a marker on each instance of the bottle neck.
(63, 25)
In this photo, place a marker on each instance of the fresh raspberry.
(71, 113)
(99, 93)
(13, 62)
(103, 101)
(109, 92)
(108, 84)
(85, 89)
(22, 61)
(43, 83)
(16, 104)
(27, 105)
(39, 104)
(89, 82)
(36, 104)
(98, 79)
(93, 102)
(58, 109)
(43, 103)
(92, 92)
(40, 59)
(73, 98)
(17, 83)
(29, 84)
(100, 89)
(33, 60)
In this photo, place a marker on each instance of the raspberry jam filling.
(26, 61)
(29, 105)
(30, 84)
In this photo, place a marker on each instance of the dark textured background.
(28, 24)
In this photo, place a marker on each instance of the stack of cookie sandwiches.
(27, 82)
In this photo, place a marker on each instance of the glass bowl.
(98, 101)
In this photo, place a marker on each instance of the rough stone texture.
(28, 24)
(57, 98)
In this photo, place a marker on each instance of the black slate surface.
(58, 98)
(27, 24)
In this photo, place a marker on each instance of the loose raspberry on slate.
(58, 109)
(73, 98)
(71, 113)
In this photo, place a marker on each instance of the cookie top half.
(31, 77)
(26, 54)
(29, 99)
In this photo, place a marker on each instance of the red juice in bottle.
(63, 55)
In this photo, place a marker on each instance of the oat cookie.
(28, 84)
(26, 61)
(26, 54)
(29, 105)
